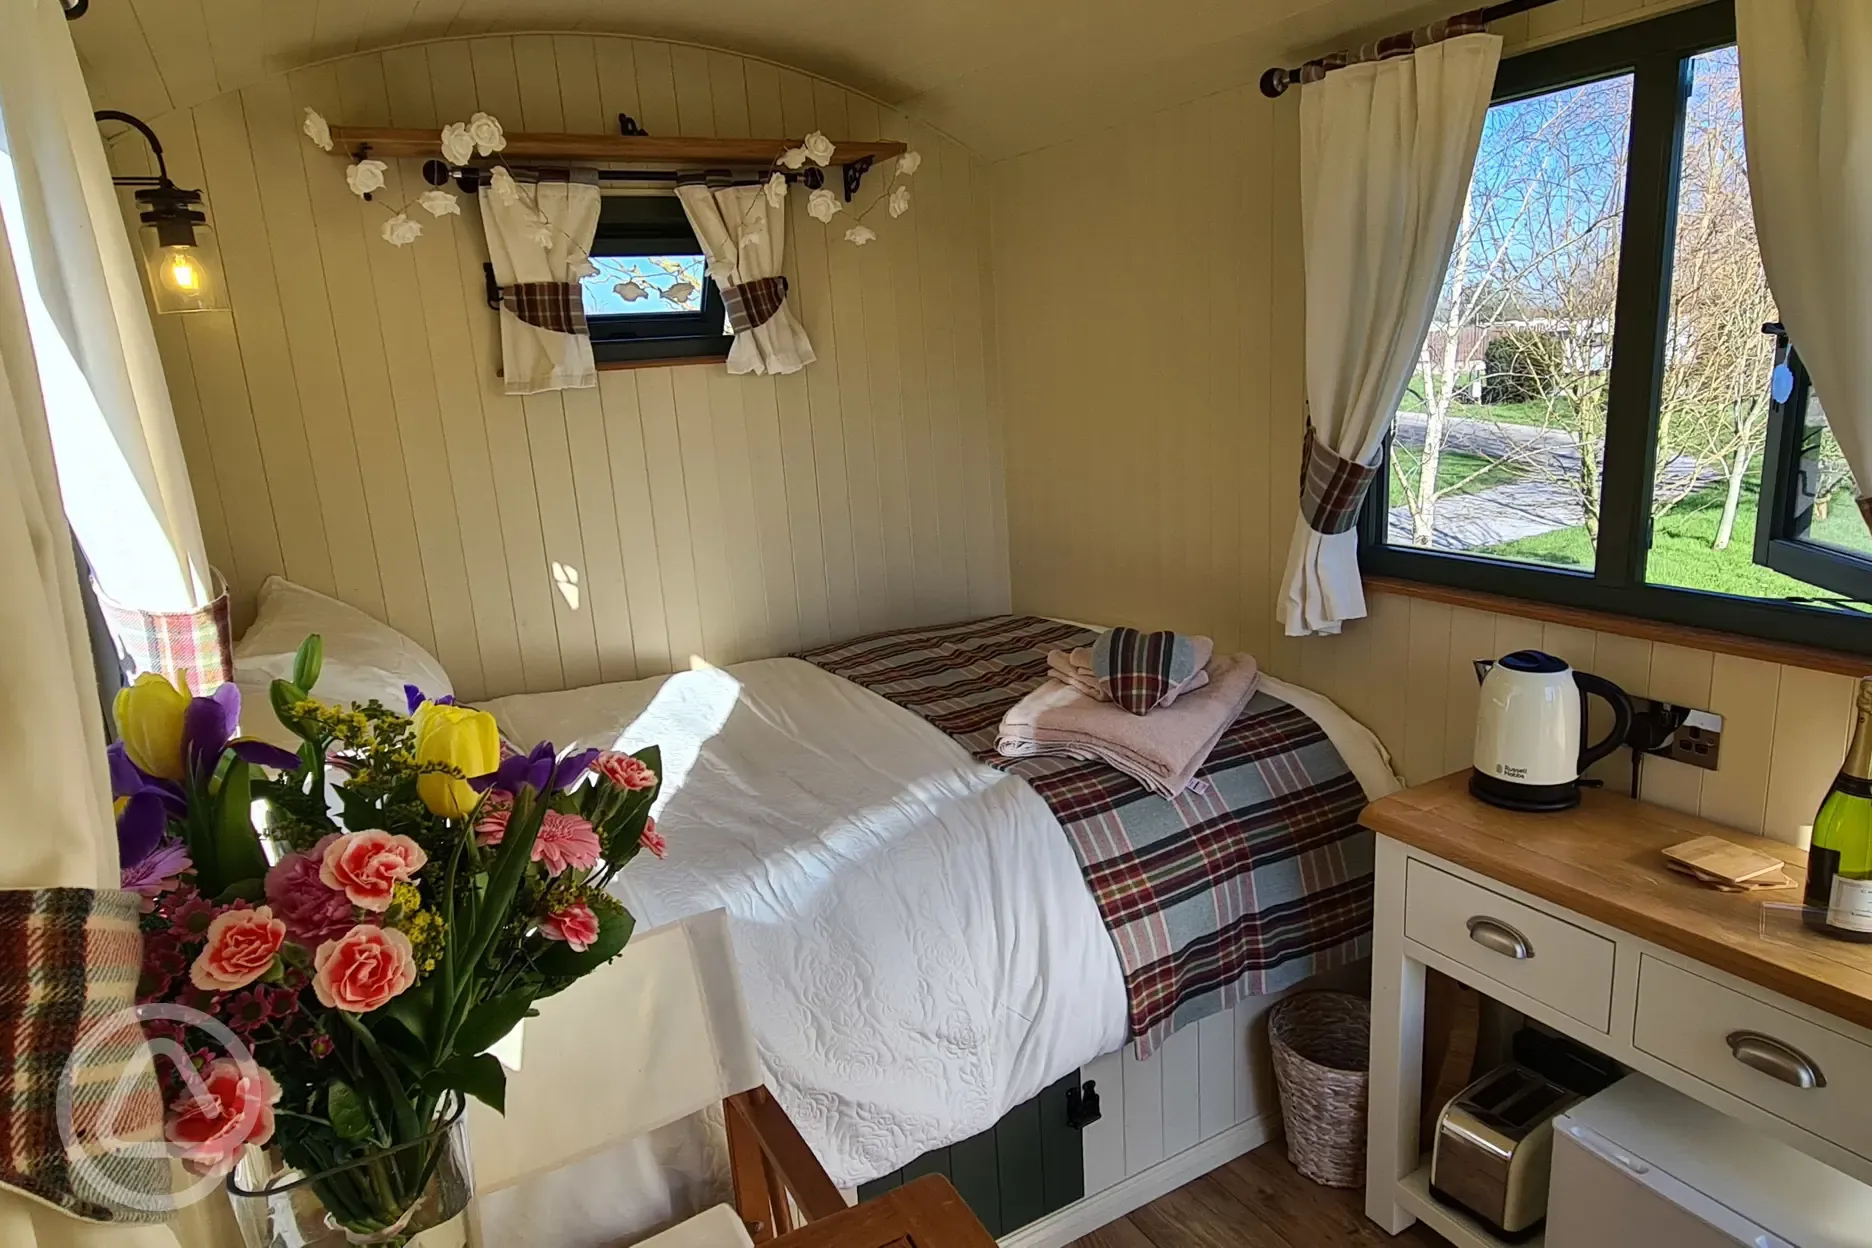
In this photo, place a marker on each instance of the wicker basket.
(1321, 1042)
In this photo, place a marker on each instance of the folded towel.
(1162, 751)
(1142, 671)
(1074, 669)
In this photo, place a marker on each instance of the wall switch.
(1682, 733)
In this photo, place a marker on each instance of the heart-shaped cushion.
(1139, 669)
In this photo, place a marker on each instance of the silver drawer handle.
(1498, 936)
(1775, 1059)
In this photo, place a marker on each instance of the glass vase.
(411, 1196)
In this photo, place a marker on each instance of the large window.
(1605, 414)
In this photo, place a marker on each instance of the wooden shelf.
(1413, 1192)
(386, 142)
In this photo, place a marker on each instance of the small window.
(652, 298)
(1811, 528)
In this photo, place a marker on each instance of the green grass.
(1473, 472)
(1530, 413)
(1682, 554)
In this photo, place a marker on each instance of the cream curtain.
(1386, 150)
(125, 483)
(745, 238)
(539, 231)
(1807, 116)
(58, 828)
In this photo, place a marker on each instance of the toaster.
(1494, 1143)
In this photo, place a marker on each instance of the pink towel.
(1162, 750)
(1073, 668)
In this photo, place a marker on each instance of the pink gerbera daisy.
(565, 841)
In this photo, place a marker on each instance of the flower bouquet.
(337, 998)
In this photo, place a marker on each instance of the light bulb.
(181, 271)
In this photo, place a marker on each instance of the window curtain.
(744, 235)
(1807, 118)
(540, 228)
(68, 938)
(121, 470)
(1386, 150)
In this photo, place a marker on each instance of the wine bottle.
(1839, 866)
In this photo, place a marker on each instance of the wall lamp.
(177, 243)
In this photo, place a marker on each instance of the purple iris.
(148, 803)
(208, 730)
(541, 769)
(416, 697)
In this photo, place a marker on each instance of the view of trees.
(1502, 436)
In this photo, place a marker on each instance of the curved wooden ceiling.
(1003, 76)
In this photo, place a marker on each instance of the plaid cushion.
(1255, 878)
(198, 645)
(1331, 489)
(69, 959)
(558, 306)
(754, 303)
(1138, 670)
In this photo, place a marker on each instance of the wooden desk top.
(1603, 860)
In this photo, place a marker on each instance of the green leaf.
(413, 1008)
(346, 1108)
(308, 661)
(480, 1077)
(238, 856)
(491, 1020)
(564, 962)
(285, 695)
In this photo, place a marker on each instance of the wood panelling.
(1152, 306)
(344, 424)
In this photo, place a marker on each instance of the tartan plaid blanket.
(1255, 878)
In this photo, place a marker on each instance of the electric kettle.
(1529, 749)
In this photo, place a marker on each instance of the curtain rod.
(1275, 81)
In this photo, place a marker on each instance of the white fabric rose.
(776, 190)
(400, 231)
(457, 144)
(582, 268)
(793, 157)
(317, 129)
(818, 147)
(365, 176)
(679, 292)
(629, 292)
(859, 235)
(823, 205)
(544, 236)
(502, 184)
(439, 203)
(899, 201)
(487, 133)
(909, 163)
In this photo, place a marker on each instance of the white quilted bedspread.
(917, 944)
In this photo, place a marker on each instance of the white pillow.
(363, 658)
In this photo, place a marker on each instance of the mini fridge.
(1643, 1166)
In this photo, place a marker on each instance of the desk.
(925, 1214)
(1574, 920)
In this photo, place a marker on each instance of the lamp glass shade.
(184, 277)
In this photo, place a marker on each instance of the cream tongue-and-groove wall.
(1152, 309)
(344, 425)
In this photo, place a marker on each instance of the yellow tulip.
(149, 723)
(467, 741)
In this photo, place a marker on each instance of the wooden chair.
(656, 1037)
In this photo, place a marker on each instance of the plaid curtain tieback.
(753, 304)
(198, 644)
(69, 961)
(1331, 488)
(558, 306)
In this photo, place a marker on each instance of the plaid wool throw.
(1254, 879)
(69, 959)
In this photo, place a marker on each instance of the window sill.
(1788, 653)
(607, 366)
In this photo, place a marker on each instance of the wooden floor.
(1257, 1201)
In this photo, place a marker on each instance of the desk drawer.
(1725, 1037)
(1562, 966)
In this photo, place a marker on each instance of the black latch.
(1082, 1105)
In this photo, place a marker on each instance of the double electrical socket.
(1682, 733)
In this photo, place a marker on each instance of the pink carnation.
(234, 1106)
(652, 839)
(241, 947)
(368, 865)
(363, 969)
(624, 771)
(565, 841)
(313, 910)
(496, 809)
(575, 924)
